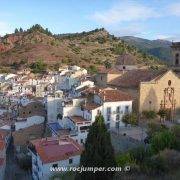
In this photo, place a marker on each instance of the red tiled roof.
(133, 78)
(91, 106)
(78, 119)
(104, 70)
(109, 94)
(113, 95)
(53, 149)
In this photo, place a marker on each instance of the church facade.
(162, 92)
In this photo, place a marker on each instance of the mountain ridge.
(159, 48)
(90, 48)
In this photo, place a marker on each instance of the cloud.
(174, 9)
(124, 12)
(4, 28)
(128, 30)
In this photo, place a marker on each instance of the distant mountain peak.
(159, 48)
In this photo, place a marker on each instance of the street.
(13, 171)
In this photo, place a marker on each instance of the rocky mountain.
(158, 48)
(91, 48)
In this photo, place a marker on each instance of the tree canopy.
(98, 152)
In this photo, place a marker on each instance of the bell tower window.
(177, 59)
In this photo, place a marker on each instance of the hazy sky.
(150, 19)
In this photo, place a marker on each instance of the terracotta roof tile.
(53, 149)
(113, 95)
(78, 119)
(133, 78)
(113, 70)
(91, 106)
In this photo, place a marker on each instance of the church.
(150, 89)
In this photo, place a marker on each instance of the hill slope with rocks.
(92, 48)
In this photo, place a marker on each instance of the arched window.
(117, 117)
(177, 62)
(169, 82)
(177, 59)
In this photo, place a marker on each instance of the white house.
(79, 113)
(67, 78)
(22, 123)
(53, 103)
(52, 153)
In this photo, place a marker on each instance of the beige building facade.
(161, 92)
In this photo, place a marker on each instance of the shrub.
(176, 131)
(155, 165)
(38, 67)
(155, 127)
(124, 159)
(171, 158)
(163, 113)
(162, 140)
(149, 114)
(92, 69)
(140, 153)
(130, 119)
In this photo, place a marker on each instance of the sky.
(150, 19)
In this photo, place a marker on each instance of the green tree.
(38, 67)
(176, 131)
(16, 30)
(130, 119)
(92, 69)
(20, 29)
(149, 114)
(98, 152)
(107, 64)
(162, 140)
(154, 128)
(124, 159)
(162, 113)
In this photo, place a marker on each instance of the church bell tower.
(176, 55)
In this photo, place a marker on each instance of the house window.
(109, 110)
(98, 112)
(101, 78)
(55, 165)
(70, 161)
(126, 109)
(117, 117)
(124, 67)
(118, 109)
(108, 117)
(117, 125)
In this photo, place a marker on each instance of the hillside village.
(63, 104)
(46, 117)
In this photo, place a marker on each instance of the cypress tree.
(98, 152)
